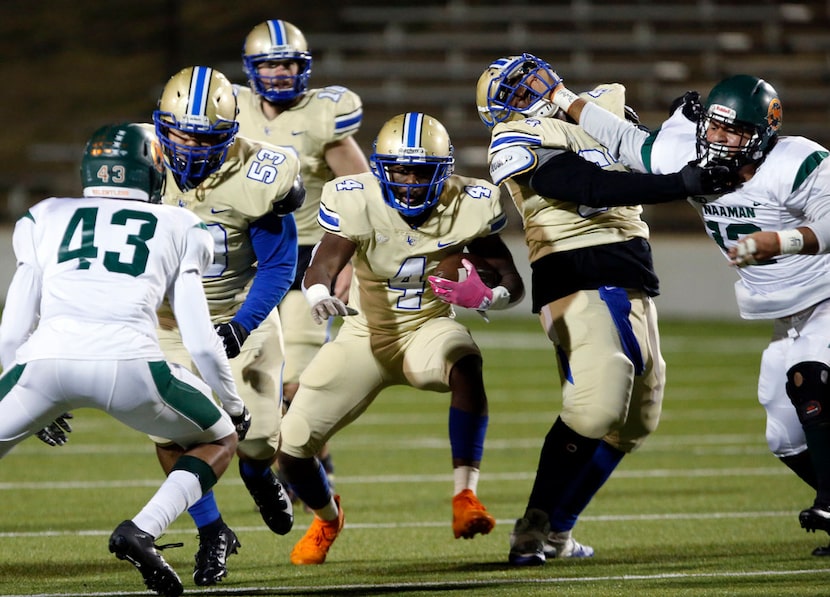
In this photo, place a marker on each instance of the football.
(450, 267)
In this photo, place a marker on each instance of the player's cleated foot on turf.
(212, 557)
(469, 516)
(315, 544)
(815, 519)
(822, 551)
(528, 539)
(562, 545)
(130, 543)
(273, 502)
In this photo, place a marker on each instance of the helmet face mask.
(277, 41)
(745, 108)
(196, 123)
(123, 161)
(412, 159)
(504, 93)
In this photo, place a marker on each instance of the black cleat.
(273, 502)
(212, 557)
(130, 543)
(815, 519)
(822, 551)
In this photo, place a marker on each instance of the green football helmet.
(123, 161)
(747, 104)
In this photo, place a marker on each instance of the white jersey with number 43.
(106, 266)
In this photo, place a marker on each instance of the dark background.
(70, 66)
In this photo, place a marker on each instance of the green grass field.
(701, 509)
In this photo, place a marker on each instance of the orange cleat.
(469, 516)
(315, 544)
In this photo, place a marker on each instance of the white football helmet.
(276, 40)
(197, 101)
(420, 145)
(504, 83)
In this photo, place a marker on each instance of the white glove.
(323, 305)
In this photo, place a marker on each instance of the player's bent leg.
(309, 480)
(809, 390)
(271, 499)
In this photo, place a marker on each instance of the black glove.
(55, 433)
(233, 337)
(692, 108)
(242, 422)
(712, 179)
(293, 199)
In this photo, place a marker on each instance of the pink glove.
(472, 293)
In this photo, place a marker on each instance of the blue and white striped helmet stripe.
(276, 29)
(412, 124)
(199, 91)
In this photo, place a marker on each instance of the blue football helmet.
(418, 146)
(276, 40)
(197, 101)
(505, 83)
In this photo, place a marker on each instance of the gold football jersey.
(551, 225)
(253, 177)
(392, 260)
(319, 118)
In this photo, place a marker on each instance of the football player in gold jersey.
(244, 192)
(395, 225)
(593, 280)
(278, 107)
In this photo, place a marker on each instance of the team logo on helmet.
(774, 114)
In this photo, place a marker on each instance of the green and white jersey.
(551, 225)
(321, 117)
(790, 188)
(253, 177)
(105, 266)
(392, 260)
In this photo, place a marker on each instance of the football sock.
(465, 477)
(179, 491)
(205, 511)
(818, 442)
(467, 431)
(254, 470)
(310, 483)
(564, 455)
(802, 465)
(582, 490)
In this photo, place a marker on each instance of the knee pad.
(809, 390)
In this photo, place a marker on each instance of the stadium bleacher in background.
(68, 67)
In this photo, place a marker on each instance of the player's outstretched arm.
(330, 256)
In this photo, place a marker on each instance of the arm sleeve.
(274, 240)
(201, 340)
(20, 313)
(622, 139)
(567, 177)
(22, 308)
(817, 207)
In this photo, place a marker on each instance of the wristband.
(501, 298)
(316, 293)
(564, 98)
(791, 241)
